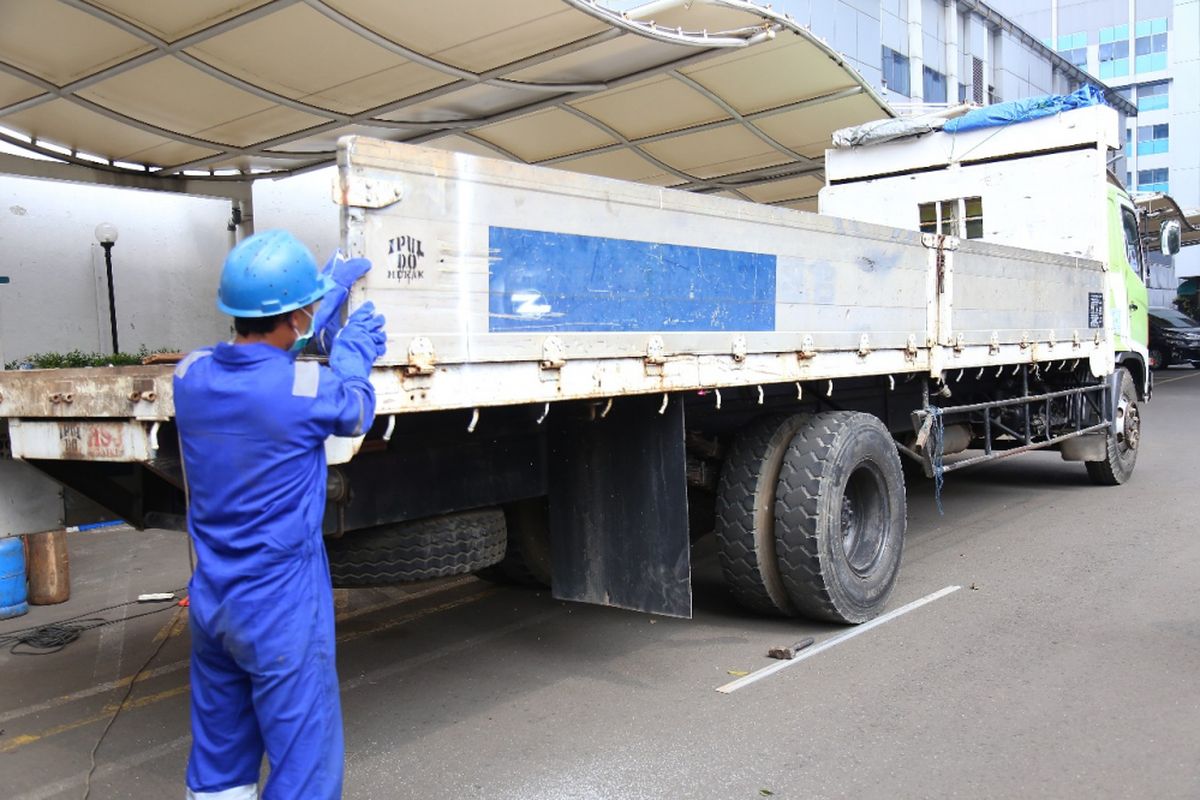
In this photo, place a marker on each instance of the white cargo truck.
(583, 372)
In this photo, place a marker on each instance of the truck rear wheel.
(417, 550)
(840, 517)
(745, 524)
(1122, 448)
(527, 560)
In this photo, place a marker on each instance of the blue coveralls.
(253, 420)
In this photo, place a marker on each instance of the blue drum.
(12, 578)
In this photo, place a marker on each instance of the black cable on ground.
(39, 640)
(178, 605)
(87, 784)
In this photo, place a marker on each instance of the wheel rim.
(863, 518)
(1130, 430)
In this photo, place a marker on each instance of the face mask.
(302, 339)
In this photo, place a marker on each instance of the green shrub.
(77, 358)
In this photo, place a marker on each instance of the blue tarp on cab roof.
(1025, 110)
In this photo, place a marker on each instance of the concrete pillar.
(1054, 24)
(953, 57)
(916, 49)
(986, 58)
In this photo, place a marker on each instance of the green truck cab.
(1128, 299)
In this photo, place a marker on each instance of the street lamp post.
(106, 234)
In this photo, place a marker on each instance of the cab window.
(1133, 249)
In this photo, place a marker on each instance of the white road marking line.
(1180, 378)
(175, 666)
(407, 597)
(398, 667)
(108, 770)
(91, 691)
(123, 765)
(758, 675)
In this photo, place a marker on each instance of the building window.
(1073, 47)
(1151, 45)
(935, 86)
(973, 217)
(1129, 142)
(961, 217)
(1153, 139)
(1114, 51)
(976, 80)
(1153, 180)
(895, 72)
(1153, 96)
(1128, 179)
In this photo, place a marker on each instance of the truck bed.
(507, 284)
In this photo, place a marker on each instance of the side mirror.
(1170, 237)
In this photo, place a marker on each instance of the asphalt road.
(1065, 666)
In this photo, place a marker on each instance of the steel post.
(112, 300)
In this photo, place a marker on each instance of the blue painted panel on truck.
(561, 282)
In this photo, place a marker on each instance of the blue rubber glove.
(359, 343)
(326, 321)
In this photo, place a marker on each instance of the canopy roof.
(712, 95)
(1159, 208)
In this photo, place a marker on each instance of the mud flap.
(618, 508)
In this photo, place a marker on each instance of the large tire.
(745, 524)
(1122, 448)
(527, 560)
(840, 517)
(419, 550)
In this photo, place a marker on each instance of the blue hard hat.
(270, 273)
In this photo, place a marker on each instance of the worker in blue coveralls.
(252, 422)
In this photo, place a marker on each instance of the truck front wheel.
(1122, 447)
(840, 517)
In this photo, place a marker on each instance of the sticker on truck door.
(1095, 310)
(406, 259)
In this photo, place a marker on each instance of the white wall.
(166, 264)
(302, 204)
